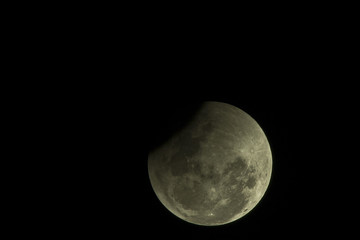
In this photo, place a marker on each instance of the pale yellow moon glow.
(216, 169)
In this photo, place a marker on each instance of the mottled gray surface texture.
(216, 169)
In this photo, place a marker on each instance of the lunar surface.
(216, 169)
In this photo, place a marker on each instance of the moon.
(216, 169)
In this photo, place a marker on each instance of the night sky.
(110, 99)
(311, 191)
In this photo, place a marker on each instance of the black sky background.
(308, 117)
(309, 128)
(99, 92)
(291, 80)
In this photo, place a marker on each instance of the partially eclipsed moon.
(216, 169)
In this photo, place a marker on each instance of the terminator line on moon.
(216, 169)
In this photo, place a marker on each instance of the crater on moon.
(216, 169)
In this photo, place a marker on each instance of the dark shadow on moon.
(188, 148)
(166, 119)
